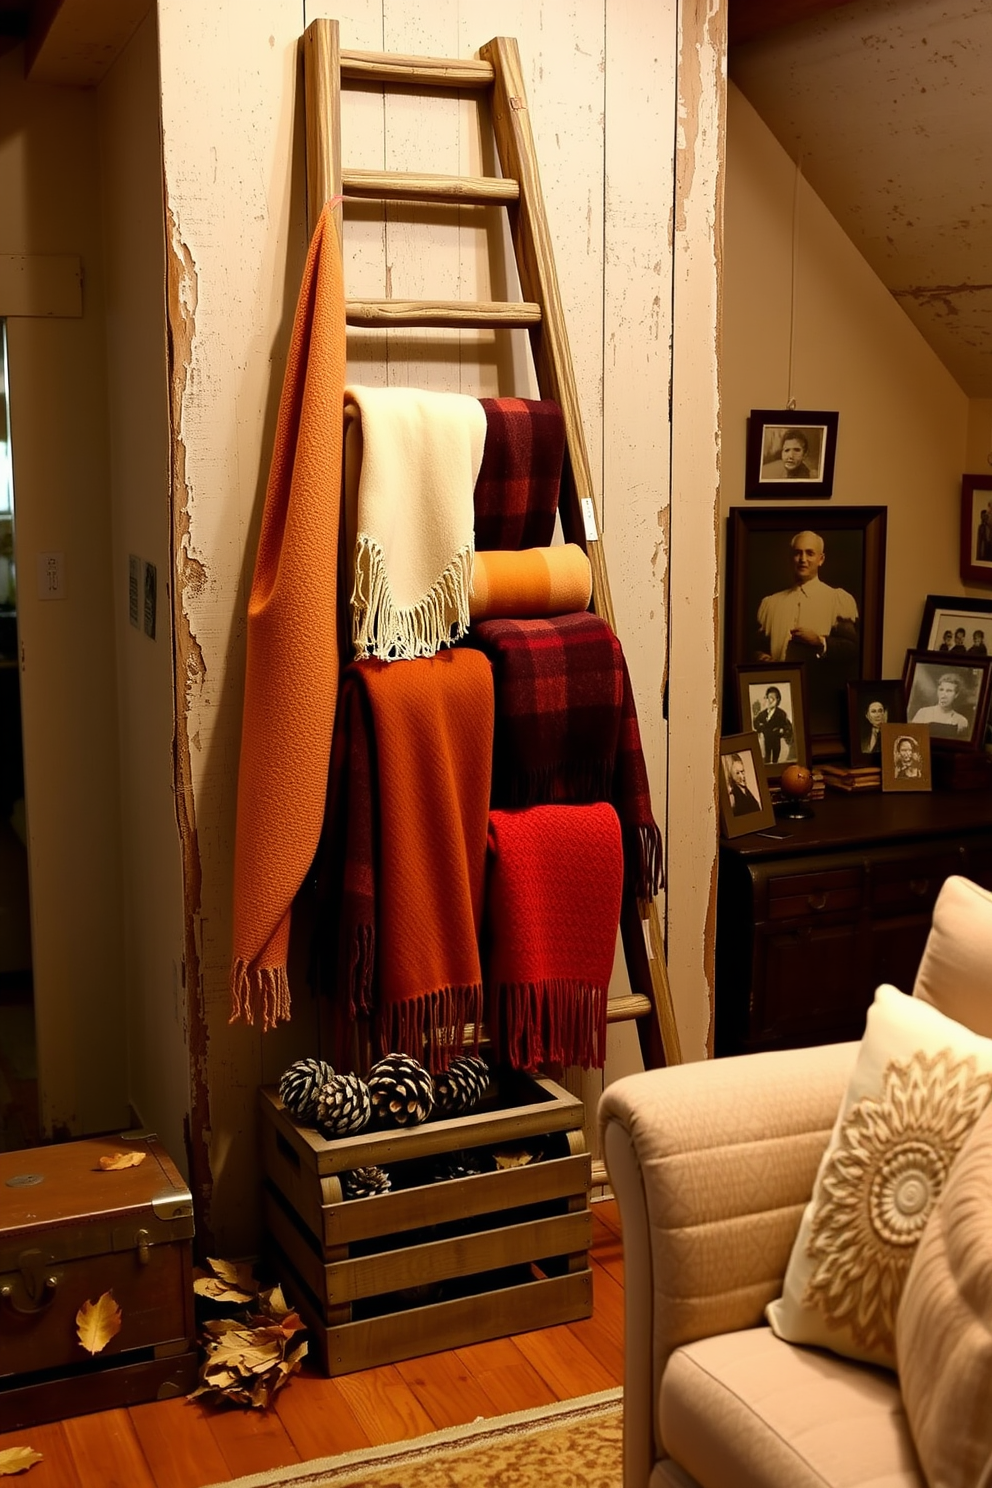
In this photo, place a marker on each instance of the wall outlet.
(51, 576)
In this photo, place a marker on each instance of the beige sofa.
(712, 1165)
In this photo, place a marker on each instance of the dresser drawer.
(909, 886)
(798, 895)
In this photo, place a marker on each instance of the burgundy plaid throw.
(566, 728)
(516, 492)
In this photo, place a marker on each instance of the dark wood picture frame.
(737, 822)
(906, 757)
(921, 683)
(860, 697)
(790, 455)
(784, 737)
(943, 613)
(759, 564)
(976, 529)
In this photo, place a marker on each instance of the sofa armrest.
(711, 1165)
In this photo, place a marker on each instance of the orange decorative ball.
(796, 781)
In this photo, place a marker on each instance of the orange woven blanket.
(291, 678)
(529, 584)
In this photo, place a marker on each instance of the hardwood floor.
(183, 1444)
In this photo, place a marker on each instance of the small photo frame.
(976, 529)
(869, 706)
(772, 703)
(790, 455)
(905, 757)
(745, 801)
(955, 626)
(949, 695)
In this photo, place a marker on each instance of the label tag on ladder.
(589, 517)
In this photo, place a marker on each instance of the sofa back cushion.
(944, 1325)
(955, 974)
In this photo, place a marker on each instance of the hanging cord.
(791, 400)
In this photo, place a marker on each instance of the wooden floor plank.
(384, 1404)
(57, 1469)
(107, 1452)
(608, 1210)
(252, 1441)
(564, 1362)
(176, 1439)
(608, 1251)
(510, 1382)
(446, 1389)
(318, 1417)
(602, 1334)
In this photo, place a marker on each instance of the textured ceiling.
(887, 105)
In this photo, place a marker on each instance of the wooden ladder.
(495, 78)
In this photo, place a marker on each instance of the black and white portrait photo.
(949, 697)
(790, 453)
(745, 802)
(771, 719)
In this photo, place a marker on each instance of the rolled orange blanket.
(529, 584)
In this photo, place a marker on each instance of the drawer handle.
(32, 1289)
(817, 901)
(919, 886)
(142, 1241)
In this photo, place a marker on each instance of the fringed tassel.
(439, 619)
(558, 1021)
(265, 986)
(432, 1027)
(643, 860)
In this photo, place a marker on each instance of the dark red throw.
(516, 492)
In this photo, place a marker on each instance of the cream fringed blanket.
(291, 680)
(411, 460)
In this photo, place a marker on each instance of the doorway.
(19, 1119)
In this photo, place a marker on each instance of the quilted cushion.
(955, 974)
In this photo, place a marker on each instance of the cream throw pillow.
(920, 1083)
(944, 1327)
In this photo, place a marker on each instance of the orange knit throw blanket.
(291, 679)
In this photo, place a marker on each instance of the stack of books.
(847, 778)
(817, 793)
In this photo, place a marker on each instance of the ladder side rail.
(322, 95)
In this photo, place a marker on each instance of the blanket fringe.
(560, 1020)
(382, 630)
(432, 1027)
(259, 986)
(643, 858)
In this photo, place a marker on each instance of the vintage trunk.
(439, 1261)
(70, 1231)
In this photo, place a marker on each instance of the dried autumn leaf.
(122, 1160)
(97, 1322)
(17, 1460)
(219, 1291)
(236, 1273)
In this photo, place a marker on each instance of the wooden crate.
(432, 1265)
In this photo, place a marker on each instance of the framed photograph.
(949, 695)
(789, 454)
(869, 705)
(905, 757)
(772, 703)
(976, 529)
(956, 626)
(806, 584)
(745, 802)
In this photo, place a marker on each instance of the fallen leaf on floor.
(248, 1362)
(122, 1160)
(232, 1281)
(17, 1460)
(97, 1322)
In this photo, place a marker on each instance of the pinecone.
(343, 1106)
(461, 1086)
(456, 1165)
(401, 1091)
(300, 1085)
(364, 1183)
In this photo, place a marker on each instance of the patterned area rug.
(576, 1441)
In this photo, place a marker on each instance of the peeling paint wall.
(601, 87)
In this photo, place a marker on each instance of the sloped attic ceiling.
(886, 104)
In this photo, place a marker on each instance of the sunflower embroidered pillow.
(920, 1083)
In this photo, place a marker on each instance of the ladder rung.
(622, 1009)
(450, 314)
(437, 72)
(408, 186)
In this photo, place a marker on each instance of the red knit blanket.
(566, 728)
(516, 492)
(404, 853)
(552, 911)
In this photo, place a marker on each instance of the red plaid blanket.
(516, 492)
(566, 728)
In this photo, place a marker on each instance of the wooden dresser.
(813, 915)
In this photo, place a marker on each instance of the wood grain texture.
(57, 1469)
(178, 1444)
(108, 1454)
(318, 1416)
(446, 1389)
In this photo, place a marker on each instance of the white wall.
(902, 434)
(234, 198)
